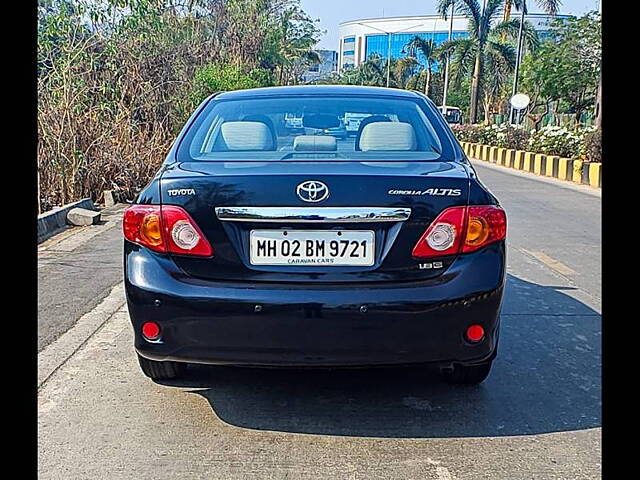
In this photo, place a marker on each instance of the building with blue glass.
(361, 38)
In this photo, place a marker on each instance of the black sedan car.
(260, 246)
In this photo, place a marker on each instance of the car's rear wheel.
(467, 374)
(161, 370)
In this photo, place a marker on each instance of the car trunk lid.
(389, 204)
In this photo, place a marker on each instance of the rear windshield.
(311, 127)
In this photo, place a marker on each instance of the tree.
(499, 63)
(403, 69)
(483, 40)
(290, 43)
(370, 72)
(549, 6)
(427, 47)
(566, 68)
(373, 72)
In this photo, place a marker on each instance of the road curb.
(58, 352)
(586, 189)
(571, 170)
(53, 221)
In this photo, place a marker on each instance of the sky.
(332, 12)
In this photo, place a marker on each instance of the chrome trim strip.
(313, 214)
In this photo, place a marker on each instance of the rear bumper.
(316, 325)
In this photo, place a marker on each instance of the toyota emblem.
(312, 191)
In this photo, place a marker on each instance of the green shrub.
(506, 136)
(468, 133)
(582, 143)
(514, 137)
(215, 78)
(556, 141)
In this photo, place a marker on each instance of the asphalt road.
(76, 270)
(537, 416)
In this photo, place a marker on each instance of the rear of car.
(266, 240)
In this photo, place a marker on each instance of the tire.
(468, 374)
(161, 370)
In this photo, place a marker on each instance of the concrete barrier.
(539, 163)
(55, 220)
(527, 165)
(595, 177)
(551, 169)
(493, 153)
(567, 169)
(511, 156)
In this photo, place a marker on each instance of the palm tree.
(483, 40)
(428, 49)
(549, 6)
(372, 71)
(403, 69)
(499, 62)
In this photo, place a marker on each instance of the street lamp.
(514, 90)
(446, 68)
(389, 43)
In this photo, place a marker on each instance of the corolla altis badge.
(174, 192)
(312, 191)
(451, 192)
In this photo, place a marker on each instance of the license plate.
(312, 247)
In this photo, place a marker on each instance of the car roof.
(318, 90)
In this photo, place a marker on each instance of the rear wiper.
(315, 155)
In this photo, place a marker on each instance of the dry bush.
(115, 82)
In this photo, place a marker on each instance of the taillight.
(485, 224)
(444, 235)
(141, 224)
(462, 230)
(165, 228)
(182, 234)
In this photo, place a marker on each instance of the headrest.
(267, 121)
(387, 136)
(371, 119)
(246, 136)
(314, 143)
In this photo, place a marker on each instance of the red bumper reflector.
(151, 330)
(475, 333)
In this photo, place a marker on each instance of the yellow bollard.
(492, 154)
(552, 165)
(537, 163)
(563, 169)
(595, 170)
(526, 166)
(577, 171)
(517, 163)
